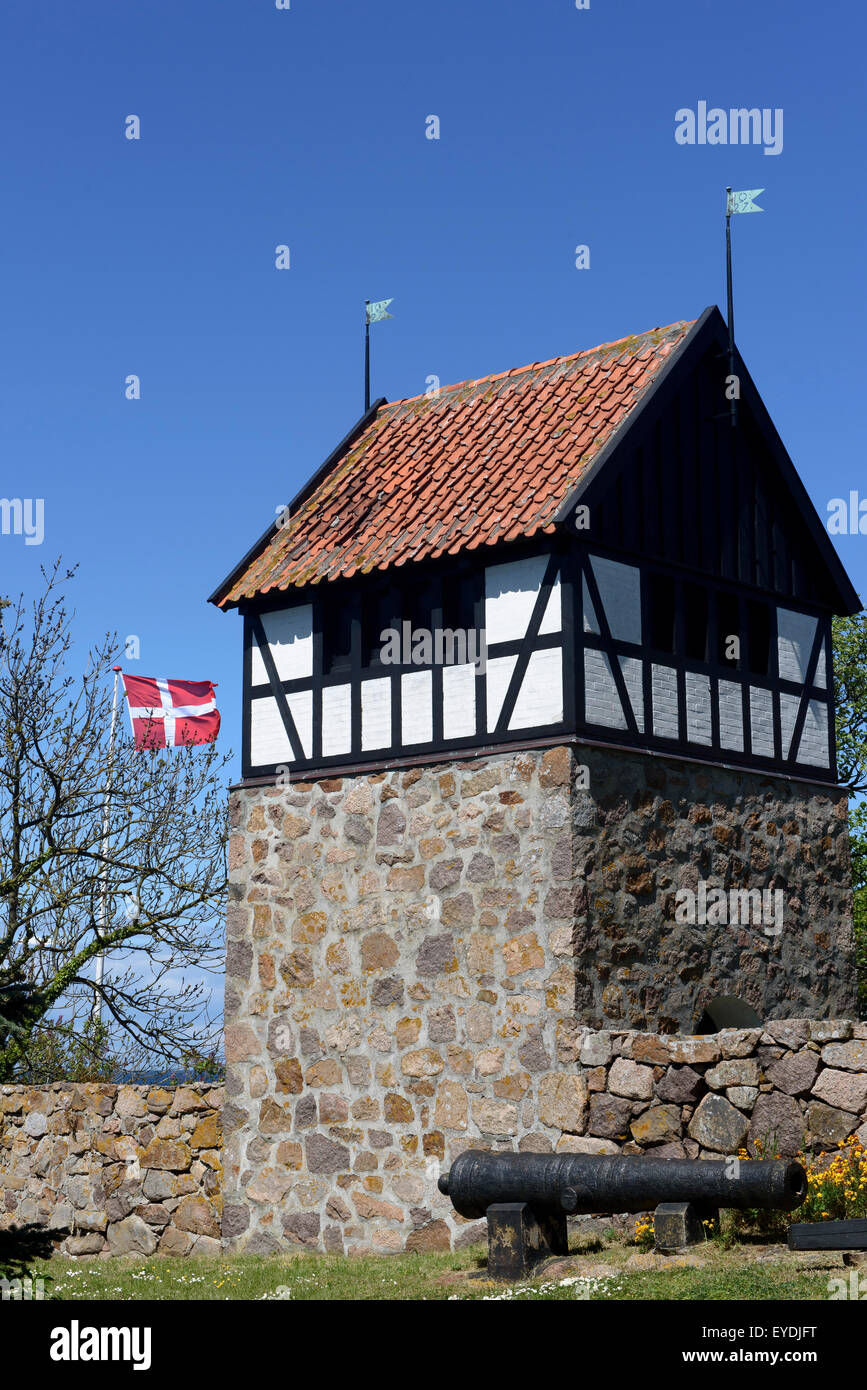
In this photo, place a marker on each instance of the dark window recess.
(418, 602)
(695, 622)
(759, 637)
(728, 625)
(660, 603)
(380, 610)
(459, 601)
(336, 618)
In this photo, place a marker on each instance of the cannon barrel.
(587, 1183)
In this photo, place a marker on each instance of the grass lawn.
(599, 1274)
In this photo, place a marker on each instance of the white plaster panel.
(459, 701)
(499, 673)
(301, 708)
(631, 666)
(620, 592)
(666, 721)
(290, 636)
(540, 698)
(416, 707)
(731, 716)
(510, 595)
(795, 635)
(376, 713)
(814, 747)
(269, 743)
(788, 714)
(761, 722)
(601, 702)
(336, 720)
(698, 720)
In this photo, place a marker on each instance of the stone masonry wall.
(798, 1085)
(646, 827)
(113, 1170)
(100, 1181)
(421, 961)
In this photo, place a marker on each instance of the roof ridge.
(537, 366)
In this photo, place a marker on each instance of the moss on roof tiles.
(405, 452)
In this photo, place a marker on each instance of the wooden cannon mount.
(527, 1197)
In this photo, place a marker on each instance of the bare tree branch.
(161, 868)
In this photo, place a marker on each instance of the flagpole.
(100, 959)
(366, 355)
(730, 305)
(373, 313)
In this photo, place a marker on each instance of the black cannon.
(527, 1197)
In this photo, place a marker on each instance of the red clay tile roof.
(484, 461)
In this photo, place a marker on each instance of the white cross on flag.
(168, 713)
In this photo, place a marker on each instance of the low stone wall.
(113, 1170)
(797, 1085)
(339, 1186)
(137, 1170)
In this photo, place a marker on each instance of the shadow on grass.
(20, 1246)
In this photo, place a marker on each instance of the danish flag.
(168, 713)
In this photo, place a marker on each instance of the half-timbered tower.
(538, 737)
(580, 548)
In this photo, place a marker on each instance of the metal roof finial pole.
(730, 305)
(735, 202)
(373, 313)
(366, 355)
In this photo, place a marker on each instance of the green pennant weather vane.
(743, 201)
(374, 312)
(735, 202)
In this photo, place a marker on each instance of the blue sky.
(306, 127)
